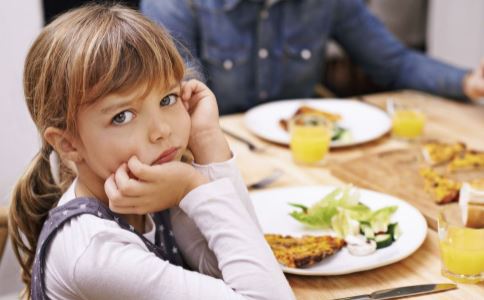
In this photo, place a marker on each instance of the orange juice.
(463, 254)
(310, 139)
(408, 123)
(461, 250)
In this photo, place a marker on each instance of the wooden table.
(445, 120)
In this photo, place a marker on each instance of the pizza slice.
(435, 152)
(304, 251)
(442, 189)
(307, 110)
(469, 160)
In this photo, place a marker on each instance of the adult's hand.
(474, 83)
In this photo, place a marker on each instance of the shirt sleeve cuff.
(217, 170)
(454, 83)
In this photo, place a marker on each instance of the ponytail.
(33, 196)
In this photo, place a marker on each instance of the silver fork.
(252, 147)
(276, 173)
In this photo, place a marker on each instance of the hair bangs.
(130, 55)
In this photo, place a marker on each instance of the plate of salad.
(379, 229)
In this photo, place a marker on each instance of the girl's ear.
(63, 143)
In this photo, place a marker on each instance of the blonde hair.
(83, 55)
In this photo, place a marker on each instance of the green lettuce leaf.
(380, 219)
(342, 211)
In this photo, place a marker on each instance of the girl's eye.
(168, 100)
(122, 118)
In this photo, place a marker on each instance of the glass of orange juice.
(310, 138)
(461, 248)
(408, 122)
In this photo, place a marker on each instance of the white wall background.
(20, 22)
(456, 31)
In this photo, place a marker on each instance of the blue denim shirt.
(253, 51)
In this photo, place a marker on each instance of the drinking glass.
(310, 138)
(408, 121)
(461, 247)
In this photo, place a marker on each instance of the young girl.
(104, 88)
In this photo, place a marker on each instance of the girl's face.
(155, 128)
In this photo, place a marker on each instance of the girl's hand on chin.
(150, 188)
(207, 141)
(201, 104)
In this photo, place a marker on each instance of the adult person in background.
(257, 51)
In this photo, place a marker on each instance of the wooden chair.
(3, 229)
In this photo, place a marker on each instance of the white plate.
(272, 209)
(364, 121)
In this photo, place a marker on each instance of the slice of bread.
(475, 216)
(471, 202)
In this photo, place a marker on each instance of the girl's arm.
(111, 268)
(213, 157)
(229, 169)
(193, 244)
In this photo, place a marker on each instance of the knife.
(252, 147)
(404, 291)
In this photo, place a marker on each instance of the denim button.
(306, 54)
(263, 95)
(263, 53)
(228, 64)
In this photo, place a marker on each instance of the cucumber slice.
(345, 136)
(383, 240)
(340, 134)
(337, 132)
(394, 231)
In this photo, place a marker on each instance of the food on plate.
(469, 160)
(435, 152)
(342, 212)
(339, 133)
(442, 189)
(360, 246)
(305, 251)
(471, 202)
(306, 110)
